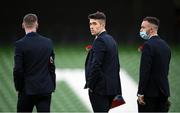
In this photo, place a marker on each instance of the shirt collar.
(30, 34)
(102, 32)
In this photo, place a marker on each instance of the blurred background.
(66, 23)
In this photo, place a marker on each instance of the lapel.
(89, 56)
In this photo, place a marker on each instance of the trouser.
(154, 105)
(100, 103)
(26, 103)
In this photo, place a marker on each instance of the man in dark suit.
(102, 66)
(34, 68)
(153, 89)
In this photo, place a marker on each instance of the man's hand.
(141, 100)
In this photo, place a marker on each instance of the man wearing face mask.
(153, 88)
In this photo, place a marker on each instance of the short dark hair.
(97, 15)
(30, 19)
(152, 20)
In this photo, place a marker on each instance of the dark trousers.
(154, 105)
(26, 103)
(100, 103)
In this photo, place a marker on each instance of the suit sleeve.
(99, 49)
(145, 67)
(18, 68)
(52, 68)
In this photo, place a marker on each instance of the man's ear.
(102, 23)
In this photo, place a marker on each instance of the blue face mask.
(144, 35)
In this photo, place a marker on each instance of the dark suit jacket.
(34, 69)
(102, 66)
(154, 68)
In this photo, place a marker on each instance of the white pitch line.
(76, 79)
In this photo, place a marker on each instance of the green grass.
(70, 56)
(74, 57)
(174, 79)
(130, 60)
(65, 100)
